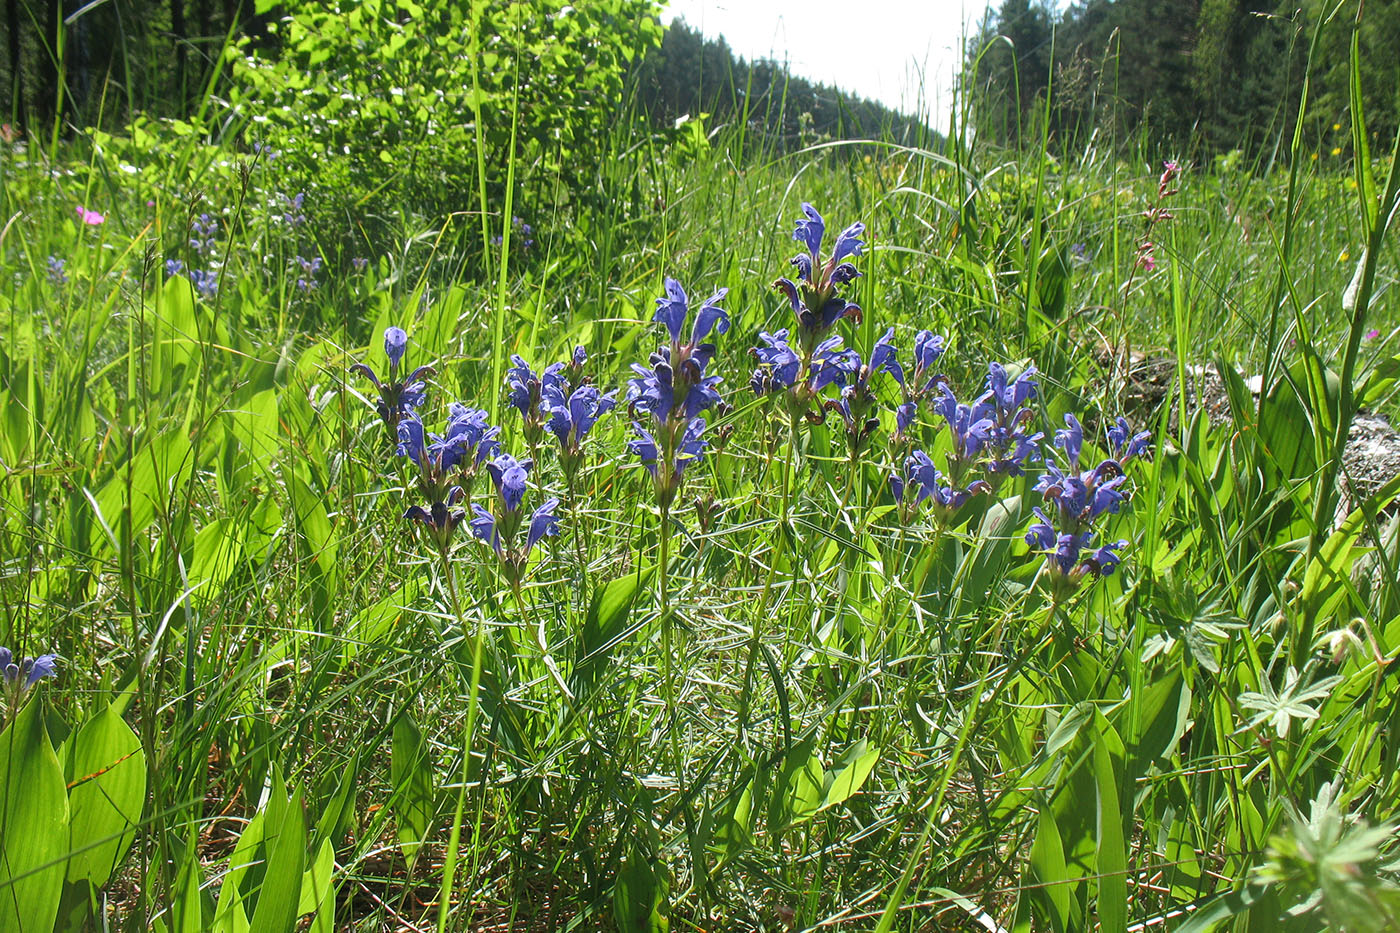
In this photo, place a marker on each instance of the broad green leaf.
(253, 423)
(639, 896)
(106, 770)
(317, 894)
(411, 772)
(1112, 855)
(218, 549)
(848, 773)
(285, 851)
(604, 626)
(230, 916)
(1048, 869)
(33, 825)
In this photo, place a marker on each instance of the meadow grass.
(769, 704)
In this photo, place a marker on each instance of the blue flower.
(778, 364)
(921, 481)
(1125, 445)
(1071, 439)
(205, 281)
(928, 348)
(17, 679)
(971, 430)
(525, 390)
(1011, 444)
(292, 213)
(655, 391)
(543, 524)
(456, 454)
(1064, 553)
(359, 263)
(440, 519)
(500, 527)
(810, 230)
(173, 267)
(848, 242)
(309, 267)
(397, 397)
(571, 418)
(57, 271)
(690, 449)
(205, 228)
(509, 476)
(813, 296)
(395, 344)
(673, 308)
(883, 358)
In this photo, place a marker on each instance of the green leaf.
(285, 847)
(106, 768)
(1112, 855)
(411, 772)
(33, 825)
(639, 897)
(605, 626)
(1048, 869)
(849, 773)
(230, 915)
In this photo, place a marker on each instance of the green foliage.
(375, 105)
(798, 709)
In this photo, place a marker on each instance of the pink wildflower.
(91, 218)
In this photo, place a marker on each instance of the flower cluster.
(500, 525)
(921, 381)
(397, 397)
(57, 271)
(1076, 499)
(293, 209)
(452, 458)
(18, 678)
(306, 281)
(522, 234)
(205, 281)
(204, 229)
(675, 390)
(857, 402)
(920, 480)
(814, 296)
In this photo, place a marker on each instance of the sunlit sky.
(902, 53)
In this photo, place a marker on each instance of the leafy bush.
(377, 102)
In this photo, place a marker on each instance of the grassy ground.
(772, 703)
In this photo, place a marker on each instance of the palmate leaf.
(1279, 708)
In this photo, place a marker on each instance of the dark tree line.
(90, 62)
(690, 75)
(1211, 74)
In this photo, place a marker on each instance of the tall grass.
(850, 722)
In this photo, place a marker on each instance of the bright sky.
(903, 53)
